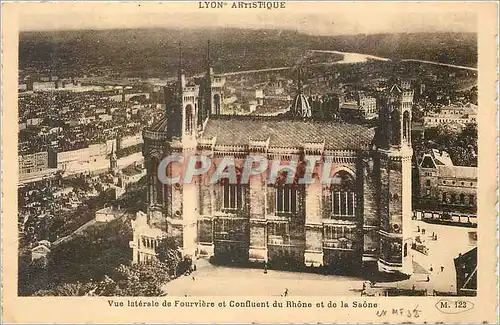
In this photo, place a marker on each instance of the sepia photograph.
(251, 149)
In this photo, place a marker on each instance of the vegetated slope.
(155, 52)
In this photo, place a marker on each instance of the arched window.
(462, 198)
(217, 103)
(287, 199)
(396, 127)
(406, 126)
(288, 195)
(189, 118)
(233, 195)
(156, 187)
(344, 195)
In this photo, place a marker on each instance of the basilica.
(364, 218)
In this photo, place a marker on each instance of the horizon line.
(98, 29)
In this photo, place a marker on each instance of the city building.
(108, 214)
(252, 93)
(466, 270)
(32, 163)
(276, 87)
(363, 220)
(350, 110)
(332, 103)
(368, 105)
(146, 238)
(40, 253)
(131, 174)
(460, 115)
(44, 85)
(74, 159)
(444, 186)
(36, 165)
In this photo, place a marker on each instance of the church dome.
(301, 106)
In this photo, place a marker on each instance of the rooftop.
(287, 133)
(350, 105)
(458, 172)
(442, 157)
(132, 170)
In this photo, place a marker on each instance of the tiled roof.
(442, 157)
(427, 162)
(396, 88)
(458, 172)
(288, 133)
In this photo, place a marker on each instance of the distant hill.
(154, 52)
(452, 48)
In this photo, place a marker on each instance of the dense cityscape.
(87, 124)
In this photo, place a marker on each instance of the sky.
(307, 17)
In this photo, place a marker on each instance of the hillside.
(154, 52)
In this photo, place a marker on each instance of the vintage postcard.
(249, 161)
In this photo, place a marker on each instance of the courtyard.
(439, 262)
(436, 269)
(218, 280)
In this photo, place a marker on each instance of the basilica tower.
(174, 135)
(395, 153)
(181, 199)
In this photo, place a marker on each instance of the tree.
(460, 144)
(67, 289)
(169, 254)
(138, 280)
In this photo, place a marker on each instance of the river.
(350, 57)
